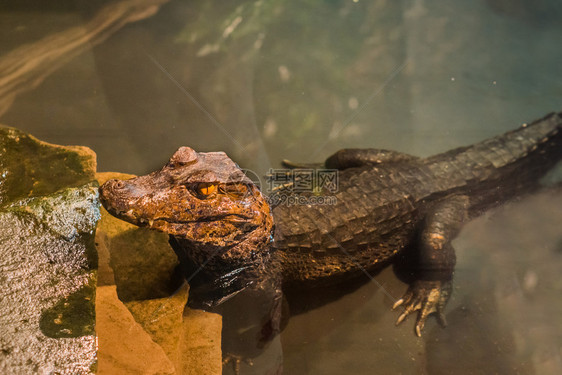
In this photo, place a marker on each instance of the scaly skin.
(386, 201)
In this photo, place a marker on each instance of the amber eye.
(205, 189)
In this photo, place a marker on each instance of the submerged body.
(385, 199)
(222, 229)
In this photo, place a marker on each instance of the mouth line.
(236, 218)
(129, 216)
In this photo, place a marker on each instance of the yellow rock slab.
(162, 319)
(123, 346)
(200, 344)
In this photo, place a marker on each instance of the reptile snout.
(115, 194)
(121, 189)
(111, 188)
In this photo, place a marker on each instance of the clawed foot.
(235, 360)
(427, 297)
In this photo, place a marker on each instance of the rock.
(67, 214)
(190, 338)
(162, 319)
(201, 344)
(124, 347)
(31, 168)
(48, 212)
(107, 228)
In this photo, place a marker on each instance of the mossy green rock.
(29, 167)
(49, 208)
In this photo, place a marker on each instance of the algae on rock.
(48, 212)
(31, 168)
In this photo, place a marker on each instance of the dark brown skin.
(386, 202)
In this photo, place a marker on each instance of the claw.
(401, 318)
(426, 297)
(236, 361)
(441, 319)
(419, 328)
(397, 303)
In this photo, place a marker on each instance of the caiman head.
(200, 198)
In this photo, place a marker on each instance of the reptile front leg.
(355, 157)
(432, 288)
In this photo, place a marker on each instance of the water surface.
(267, 80)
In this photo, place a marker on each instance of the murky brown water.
(267, 80)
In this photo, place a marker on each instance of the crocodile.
(229, 238)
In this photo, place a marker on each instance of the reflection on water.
(267, 80)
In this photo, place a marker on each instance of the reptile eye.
(205, 189)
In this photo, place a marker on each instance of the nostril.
(119, 184)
